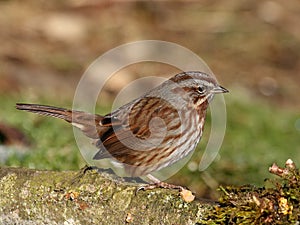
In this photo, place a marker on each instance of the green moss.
(275, 203)
(121, 199)
(6, 186)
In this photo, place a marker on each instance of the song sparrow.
(151, 132)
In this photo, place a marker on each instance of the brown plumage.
(152, 131)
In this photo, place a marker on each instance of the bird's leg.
(185, 194)
(156, 183)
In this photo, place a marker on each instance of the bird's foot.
(185, 194)
(160, 185)
(156, 183)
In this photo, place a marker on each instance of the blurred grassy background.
(253, 47)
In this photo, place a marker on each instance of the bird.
(150, 132)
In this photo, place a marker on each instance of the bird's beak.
(219, 89)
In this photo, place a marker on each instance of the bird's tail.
(88, 123)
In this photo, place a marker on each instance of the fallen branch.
(93, 197)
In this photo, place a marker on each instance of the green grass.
(53, 145)
(256, 136)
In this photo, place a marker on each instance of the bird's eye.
(201, 90)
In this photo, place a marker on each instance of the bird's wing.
(128, 135)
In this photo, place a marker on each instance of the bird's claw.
(186, 194)
(160, 185)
